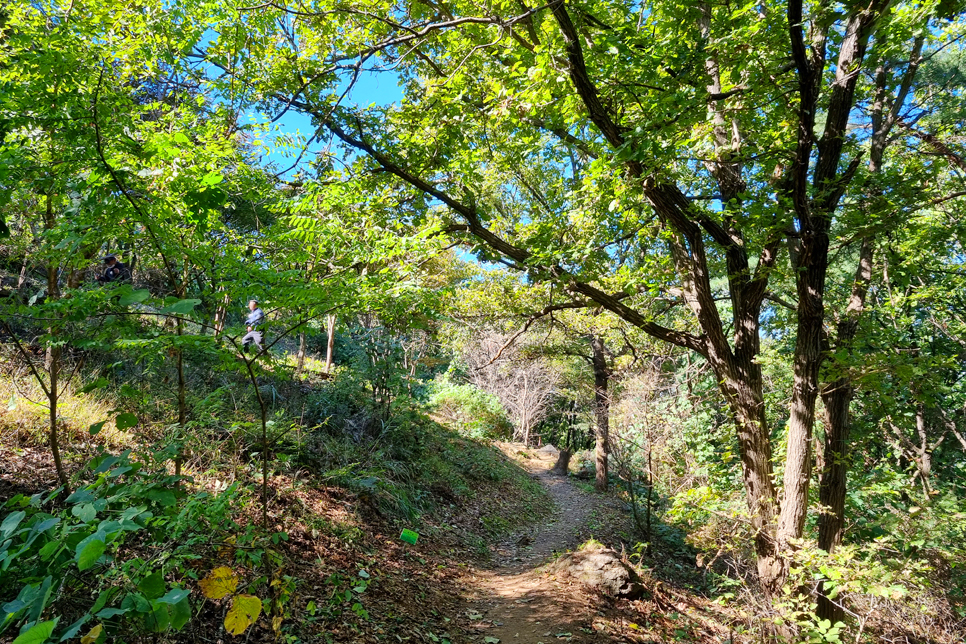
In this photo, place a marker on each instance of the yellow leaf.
(242, 614)
(277, 623)
(92, 635)
(227, 550)
(220, 582)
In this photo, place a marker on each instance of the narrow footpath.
(518, 601)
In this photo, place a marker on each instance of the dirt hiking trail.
(518, 601)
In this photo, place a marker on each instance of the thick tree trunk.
(837, 397)
(561, 467)
(832, 480)
(745, 396)
(808, 360)
(601, 411)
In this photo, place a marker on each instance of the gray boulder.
(601, 569)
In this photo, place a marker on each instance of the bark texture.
(601, 412)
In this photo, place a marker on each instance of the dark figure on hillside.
(114, 271)
(256, 327)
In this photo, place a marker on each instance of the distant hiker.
(255, 323)
(114, 271)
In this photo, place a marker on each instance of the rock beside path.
(601, 569)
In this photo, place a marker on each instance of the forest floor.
(460, 584)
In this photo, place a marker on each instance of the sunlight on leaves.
(220, 582)
(244, 610)
(92, 635)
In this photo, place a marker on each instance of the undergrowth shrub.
(334, 401)
(113, 558)
(471, 410)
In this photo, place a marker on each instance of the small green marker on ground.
(409, 536)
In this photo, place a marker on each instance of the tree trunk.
(330, 326)
(601, 412)
(182, 399)
(300, 356)
(23, 274)
(52, 362)
(745, 396)
(561, 467)
(837, 395)
(808, 360)
(221, 313)
(924, 456)
(53, 356)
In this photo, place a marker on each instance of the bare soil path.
(518, 601)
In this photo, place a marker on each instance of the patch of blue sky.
(288, 143)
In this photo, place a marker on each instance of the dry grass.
(25, 414)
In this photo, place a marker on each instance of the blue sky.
(283, 142)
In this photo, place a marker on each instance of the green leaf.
(102, 598)
(180, 137)
(174, 596)
(180, 614)
(181, 307)
(164, 497)
(74, 628)
(10, 523)
(134, 297)
(91, 386)
(48, 550)
(89, 555)
(152, 586)
(125, 421)
(211, 179)
(37, 634)
(85, 512)
(40, 599)
(106, 464)
(158, 619)
(44, 525)
(108, 613)
(95, 429)
(82, 495)
(11, 609)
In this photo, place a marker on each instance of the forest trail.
(518, 601)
